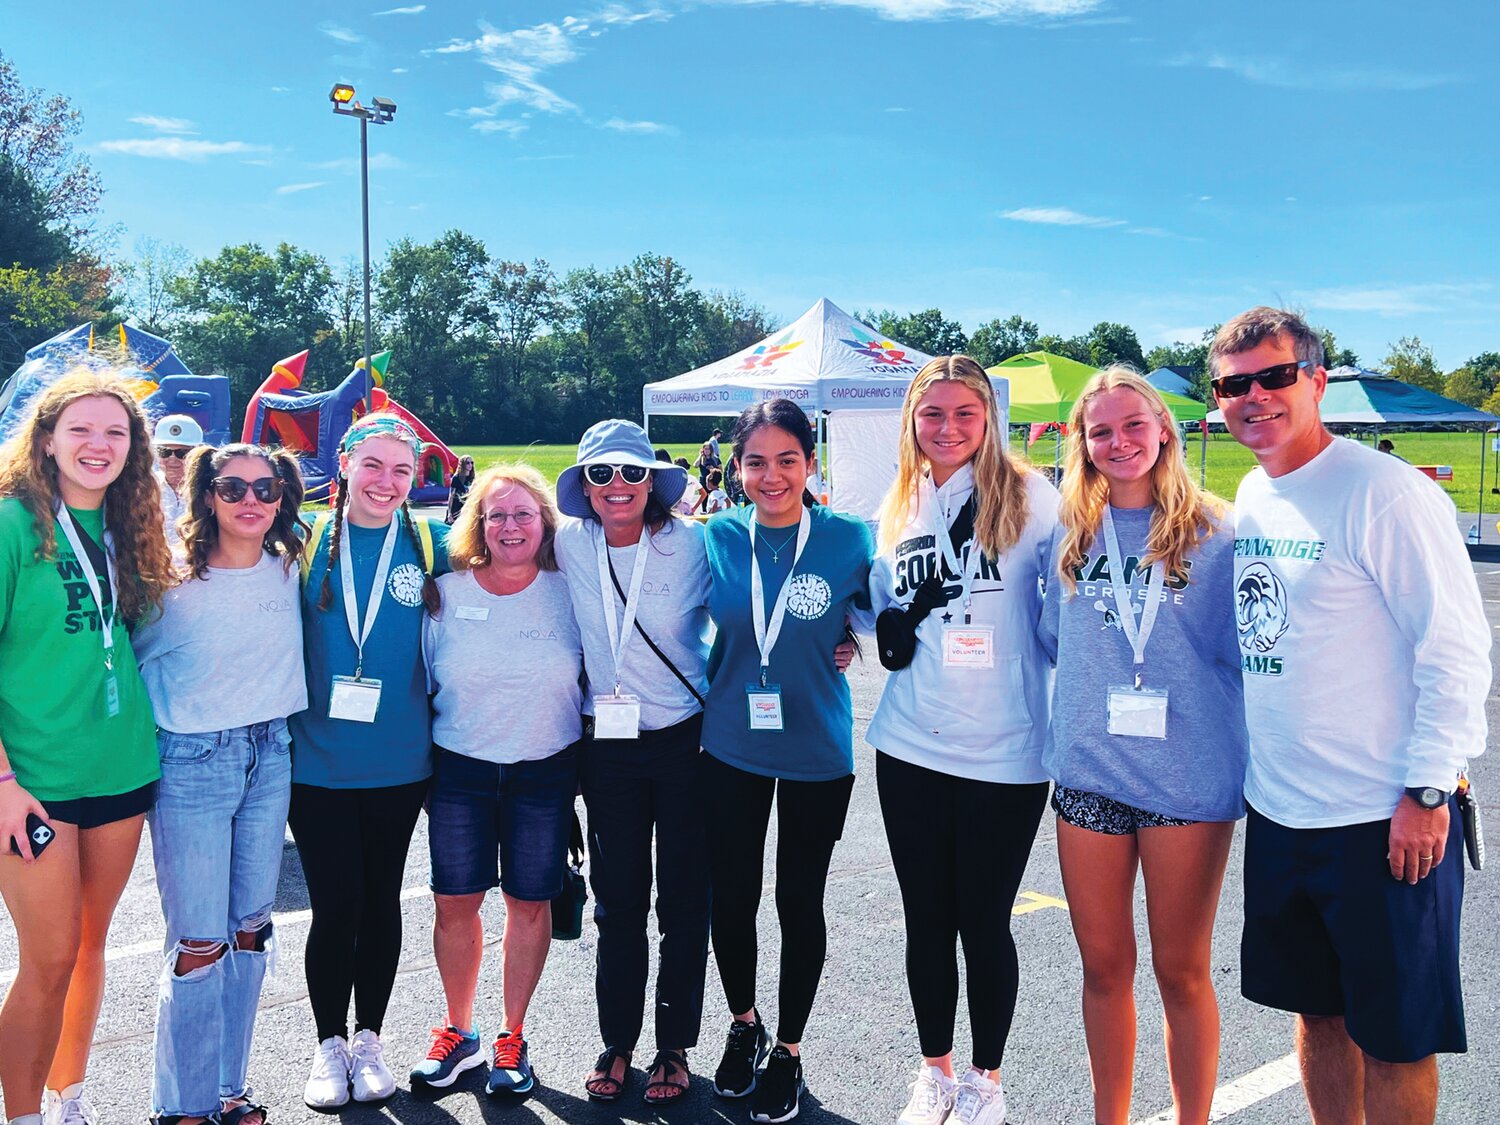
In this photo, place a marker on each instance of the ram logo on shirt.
(1261, 616)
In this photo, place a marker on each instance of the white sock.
(73, 1091)
(27, 1119)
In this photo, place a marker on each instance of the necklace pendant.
(775, 557)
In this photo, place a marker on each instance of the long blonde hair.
(1184, 516)
(467, 549)
(999, 479)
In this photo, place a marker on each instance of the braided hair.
(431, 597)
(325, 593)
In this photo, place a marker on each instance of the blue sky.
(1164, 163)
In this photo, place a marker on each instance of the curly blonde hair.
(1185, 514)
(132, 503)
(999, 479)
(467, 549)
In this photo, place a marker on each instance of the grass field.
(1228, 461)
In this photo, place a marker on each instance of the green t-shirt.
(53, 723)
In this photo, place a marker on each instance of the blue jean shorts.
(503, 826)
(1102, 814)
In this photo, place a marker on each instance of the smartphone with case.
(41, 835)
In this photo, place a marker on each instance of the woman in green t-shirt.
(77, 739)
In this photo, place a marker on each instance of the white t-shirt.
(505, 669)
(718, 500)
(1363, 639)
(987, 724)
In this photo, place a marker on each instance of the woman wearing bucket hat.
(638, 577)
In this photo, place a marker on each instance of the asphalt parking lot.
(860, 1048)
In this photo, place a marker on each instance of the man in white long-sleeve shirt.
(1366, 663)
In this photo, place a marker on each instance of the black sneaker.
(744, 1051)
(779, 1089)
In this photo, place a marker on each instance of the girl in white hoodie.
(961, 726)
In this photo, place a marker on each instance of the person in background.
(777, 729)
(1147, 780)
(714, 498)
(219, 821)
(1387, 446)
(1366, 667)
(962, 721)
(506, 745)
(174, 438)
(713, 443)
(707, 461)
(362, 750)
(82, 558)
(688, 503)
(458, 487)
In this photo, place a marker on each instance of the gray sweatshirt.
(1198, 771)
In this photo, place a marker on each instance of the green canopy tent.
(1044, 387)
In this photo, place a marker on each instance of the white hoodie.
(989, 724)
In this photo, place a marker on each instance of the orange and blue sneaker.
(453, 1052)
(511, 1071)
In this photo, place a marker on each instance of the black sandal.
(245, 1109)
(670, 1063)
(606, 1065)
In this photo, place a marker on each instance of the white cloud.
(398, 70)
(1293, 75)
(178, 148)
(522, 56)
(508, 126)
(164, 124)
(1059, 216)
(1391, 300)
(293, 189)
(340, 34)
(620, 125)
(1003, 11)
(379, 162)
(411, 10)
(281, 89)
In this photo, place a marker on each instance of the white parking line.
(141, 948)
(1244, 1092)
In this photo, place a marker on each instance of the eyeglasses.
(1276, 378)
(601, 475)
(521, 518)
(232, 490)
(180, 454)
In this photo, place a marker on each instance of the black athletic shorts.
(95, 812)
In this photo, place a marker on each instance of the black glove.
(896, 628)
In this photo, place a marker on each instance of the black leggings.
(809, 821)
(353, 844)
(960, 848)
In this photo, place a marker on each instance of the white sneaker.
(328, 1084)
(978, 1101)
(931, 1098)
(373, 1080)
(59, 1110)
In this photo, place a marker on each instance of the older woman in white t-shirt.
(506, 768)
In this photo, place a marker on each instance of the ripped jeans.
(217, 831)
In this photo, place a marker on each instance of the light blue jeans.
(216, 832)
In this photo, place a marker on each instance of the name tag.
(765, 706)
(617, 716)
(473, 613)
(357, 701)
(111, 695)
(968, 646)
(1138, 712)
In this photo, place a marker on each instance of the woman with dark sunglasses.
(220, 815)
(635, 571)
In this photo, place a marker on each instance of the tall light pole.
(380, 111)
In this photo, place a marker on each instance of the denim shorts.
(501, 825)
(1097, 813)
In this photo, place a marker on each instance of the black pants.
(633, 787)
(353, 844)
(809, 821)
(959, 848)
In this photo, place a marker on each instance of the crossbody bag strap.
(645, 636)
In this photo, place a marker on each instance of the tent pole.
(1483, 433)
(1203, 454)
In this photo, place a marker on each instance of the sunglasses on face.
(601, 475)
(1276, 378)
(232, 490)
(180, 454)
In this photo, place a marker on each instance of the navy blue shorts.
(96, 812)
(501, 826)
(1329, 932)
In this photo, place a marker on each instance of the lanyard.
(619, 633)
(377, 591)
(965, 574)
(1154, 586)
(765, 638)
(72, 533)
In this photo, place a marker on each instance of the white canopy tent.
(847, 377)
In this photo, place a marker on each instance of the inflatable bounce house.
(162, 382)
(312, 423)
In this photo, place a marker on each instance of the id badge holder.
(765, 706)
(617, 716)
(1138, 712)
(968, 646)
(111, 694)
(353, 699)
